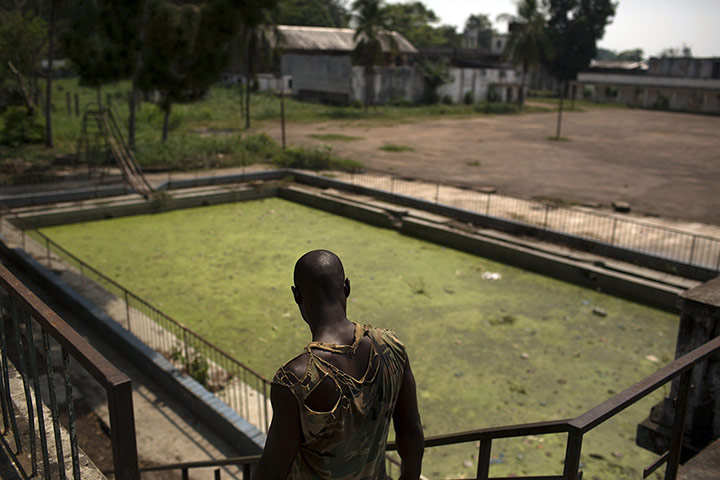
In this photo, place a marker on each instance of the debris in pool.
(524, 355)
(652, 358)
(467, 464)
(491, 276)
(599, 311)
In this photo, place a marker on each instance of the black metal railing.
(239, 386)
(626, 233)
(575, 428)
(36, 344)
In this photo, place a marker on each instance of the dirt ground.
(665, 164)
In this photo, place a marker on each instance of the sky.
(648, 24)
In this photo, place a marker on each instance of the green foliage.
(469, 98)
(19, 127)
(447, 100)
(399, 102)
(371, 31)
(661, 103)
(415, 22)
(102, 39)
(482, 24)
(315, 13)
(23, 38)
(574, 27)
(392, 147)
(434, 74)
(496, 107)
(197, 366)
(338, 137)
(315, 158)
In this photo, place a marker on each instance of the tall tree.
(371, 33)
(416, 22)
(315, 13)
(48, 80)
(185, 49)
(528, 40)
(482, 25)
(257, 20)
(574, 27)
(23, 42)
(634, 55)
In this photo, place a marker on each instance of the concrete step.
(703, 466)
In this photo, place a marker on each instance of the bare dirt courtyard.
(665, 164)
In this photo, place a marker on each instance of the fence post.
(127, 310)
(678, 431)
(692, 249)
(47, 249)
(572, 455)
(187, 352)
(547, 212)
(487, 206)
(612, 239)
(483, 469)
(122, 431)
(437, 192)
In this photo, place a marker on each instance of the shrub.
(315, 158)
(399, 102)
(469, 98)
(20, 127)
(447, 100)
(496, 107)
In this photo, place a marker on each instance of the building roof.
(324, 39)
(618, 65)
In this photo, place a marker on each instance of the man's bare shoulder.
(294, 370)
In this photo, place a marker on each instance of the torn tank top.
(348, 442)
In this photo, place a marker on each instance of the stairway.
(100, 125)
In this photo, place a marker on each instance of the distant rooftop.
(333, 39)
(618, 65)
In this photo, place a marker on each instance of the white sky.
(648, 24)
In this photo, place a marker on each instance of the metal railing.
(624, 233)
(36, 343)
(240, 387)
(576, 428)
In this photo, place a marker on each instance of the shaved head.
(320, 273)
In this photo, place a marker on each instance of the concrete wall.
(324, 77)
(480, 81)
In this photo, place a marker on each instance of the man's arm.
(408, 429)
(284, 436)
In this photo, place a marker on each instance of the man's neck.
(335, 329)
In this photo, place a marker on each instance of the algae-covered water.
(489, 344)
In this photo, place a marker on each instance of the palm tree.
(528, 41)
(371, 32)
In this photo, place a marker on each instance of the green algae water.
(489, 344)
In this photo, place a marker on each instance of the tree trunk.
(521, 93)
(136, 75)
(368, 87)
(563, 88)
(247, 82)
(48, 83)
(166, 121)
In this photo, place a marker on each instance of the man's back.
(345, 412)
(332, 405)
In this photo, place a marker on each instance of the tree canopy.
(415, 22)
(574, 27)
(482, 24)
(314, 13)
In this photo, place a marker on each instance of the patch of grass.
(316, 158)
(392, 147)
(225, 271)
(337, 137)
(558, 139)
(474, 163)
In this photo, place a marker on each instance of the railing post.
(692, 249)
(47, 252)
(487, 206)
(122, 431)
(614, 229)
(483, 469)
(187, 351)
(547, 212)
(437, 192)
(678, 432)
(572, 455)
(127, 310)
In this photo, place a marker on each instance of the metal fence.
(36, 344)
(239, 386)
(614, 230)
